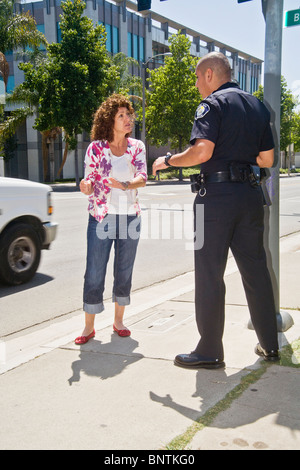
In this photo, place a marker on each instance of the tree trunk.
(64, 159)
(51, 158)
(45, 156)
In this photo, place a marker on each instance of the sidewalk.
(126, 394)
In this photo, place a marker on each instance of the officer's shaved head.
(218, 63)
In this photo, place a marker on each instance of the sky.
(241, 25)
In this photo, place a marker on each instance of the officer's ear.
(209, 74)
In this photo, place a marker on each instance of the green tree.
(173, 98)
(126, 82)
(295, 131)
(17, 31)
(287, 105)
(25, 104)
(74, 79)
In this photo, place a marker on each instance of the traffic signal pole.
(272, 87)
(273, 14)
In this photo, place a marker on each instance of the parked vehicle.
(26, 228)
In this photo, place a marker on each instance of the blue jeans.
(124, 232)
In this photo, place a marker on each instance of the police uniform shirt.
(237, 123)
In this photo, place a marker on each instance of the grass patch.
(182, 441)
(290, 354)
(292, 170)
(172, 173)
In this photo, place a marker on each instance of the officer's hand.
(159, 164)
(86, 187)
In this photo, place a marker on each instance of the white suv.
(25, 228)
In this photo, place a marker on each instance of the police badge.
(202, 110)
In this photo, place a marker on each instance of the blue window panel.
(41, 28)
(58, 31)
(129, 44)
(10, 84)
(142, 50)
(253, 84)
(108, 37)
(135, 47)
(242, 80)
(115, 40)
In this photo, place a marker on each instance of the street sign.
(292, 18)
(242, 1)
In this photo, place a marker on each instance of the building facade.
(138, 35)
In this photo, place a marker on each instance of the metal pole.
(144, 98)
(273, 13)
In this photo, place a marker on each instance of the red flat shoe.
(84, 339)
(122, 333)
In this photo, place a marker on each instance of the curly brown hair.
(104, 117)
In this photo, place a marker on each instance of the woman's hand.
(137, 182)
(86, 187)
(113, 183)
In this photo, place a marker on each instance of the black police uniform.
(239, 126)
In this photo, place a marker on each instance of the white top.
(98, 168)
(121, 202)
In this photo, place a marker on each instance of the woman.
(115, 166)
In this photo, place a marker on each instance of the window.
(242, 80)
(58, 32)
(41, 28)
(129, 44)
(115, 40)
(142, 50)
(108, 29)
(10, 84)
(135, 54)
(253, 84)
(136, 47)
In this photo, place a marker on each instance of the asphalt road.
(164, 252)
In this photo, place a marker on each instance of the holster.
(243, 172)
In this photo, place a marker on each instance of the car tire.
(20, 254)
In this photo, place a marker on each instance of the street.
(164, 251)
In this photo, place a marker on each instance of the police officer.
(231, 132)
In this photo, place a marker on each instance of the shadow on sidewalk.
(105, 360)
(274, 394)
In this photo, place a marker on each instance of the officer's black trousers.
(233, 218)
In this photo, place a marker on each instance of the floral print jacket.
(97, 169)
